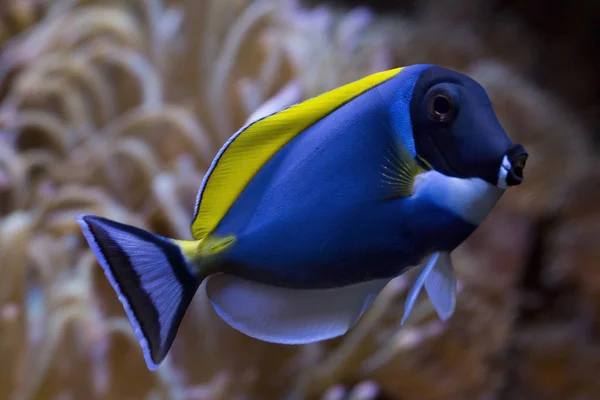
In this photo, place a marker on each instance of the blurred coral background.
(117, 108)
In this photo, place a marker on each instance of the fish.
(308, 212)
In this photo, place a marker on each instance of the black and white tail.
(153, 279)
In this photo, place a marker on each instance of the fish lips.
(513, 165)
(504, 170)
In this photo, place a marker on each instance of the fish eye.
(441, 106)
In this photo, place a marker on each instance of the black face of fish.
(457, 132)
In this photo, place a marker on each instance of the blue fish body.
(306, 214)
(315, 215)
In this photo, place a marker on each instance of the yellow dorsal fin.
(251, 147)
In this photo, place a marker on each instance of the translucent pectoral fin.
(399, 171)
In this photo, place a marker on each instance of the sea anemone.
(117, 108)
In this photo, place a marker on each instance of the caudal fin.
(154, 281)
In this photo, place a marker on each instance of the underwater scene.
(117, 108)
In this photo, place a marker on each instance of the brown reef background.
(118, 107)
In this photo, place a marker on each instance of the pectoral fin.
(440, 283)
(289, 316)
(399, 170)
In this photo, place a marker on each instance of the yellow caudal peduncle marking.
(189, 248)
(210, 245)
(215, 244)
(259, 141)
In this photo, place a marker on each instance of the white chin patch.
(503, 173)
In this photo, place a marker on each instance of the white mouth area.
(503, 173)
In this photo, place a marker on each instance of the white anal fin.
(289, 316)
(439, 281)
